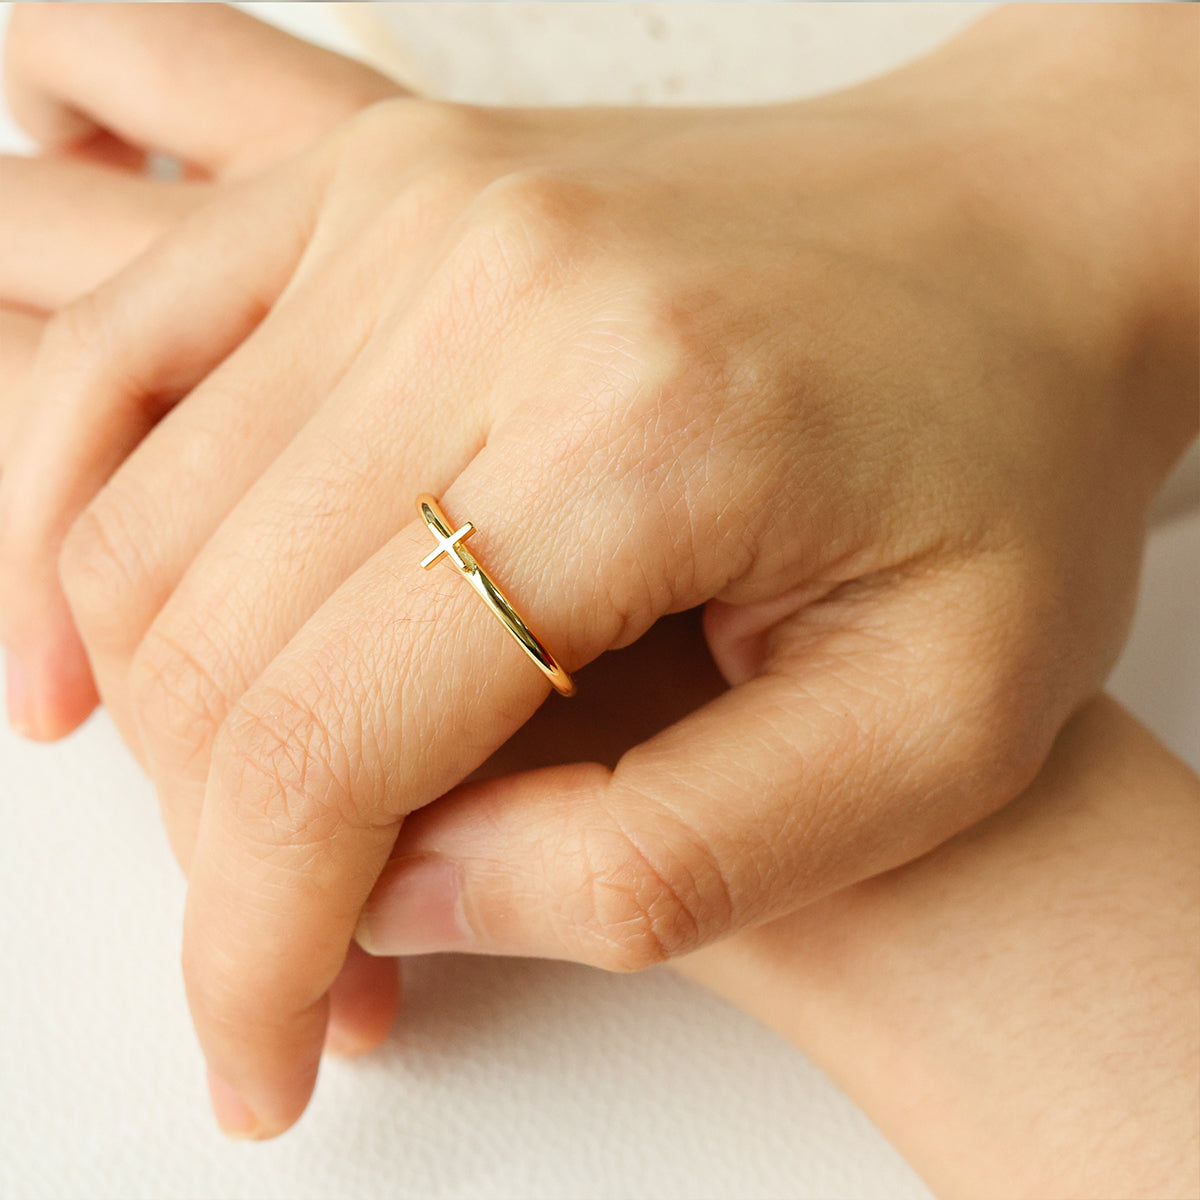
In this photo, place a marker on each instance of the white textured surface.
(504, 1079)
(589, 53)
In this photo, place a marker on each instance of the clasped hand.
(796, 364)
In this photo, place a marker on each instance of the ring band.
(450, 543)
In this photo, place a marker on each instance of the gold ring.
(450, 543)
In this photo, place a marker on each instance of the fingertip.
(363, 1003)
(236, 1119)
(248, 1111)
(263, 1061)
(350, 1043)
(16, 683)
(51, 692)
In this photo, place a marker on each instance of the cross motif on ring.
(449, 547)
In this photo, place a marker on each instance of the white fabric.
(503, 1079)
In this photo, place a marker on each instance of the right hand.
(99, 87)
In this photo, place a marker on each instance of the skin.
(81, 210)
(1015, 1010)
(894, 355)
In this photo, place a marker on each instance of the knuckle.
(527, 230)
(102, 569)
(177, 701)
(229, 986)
(635, 904)
(281, 770)
(537, 196)
(1005, 738)
(465, 130)
(989, 756)
(1001, 694)
(239, 989)
(212, 983)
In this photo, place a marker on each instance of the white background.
(503, 1079)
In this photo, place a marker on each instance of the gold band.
(450, 543)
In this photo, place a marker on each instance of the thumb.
(847, 755)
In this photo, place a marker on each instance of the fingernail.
(416, 908)
(16, 681)
(234, 1115)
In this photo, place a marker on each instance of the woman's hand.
(845, 371)
(99, 88)
(1016, 1011)
(1046, 952)
(88, 82)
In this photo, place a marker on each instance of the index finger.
(203, 82)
